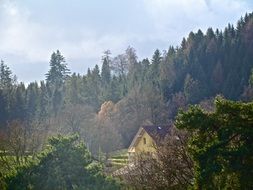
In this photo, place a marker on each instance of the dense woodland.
(107, 105)
(206, 150)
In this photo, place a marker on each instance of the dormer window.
(144, 141)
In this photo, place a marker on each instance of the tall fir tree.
(55, 78)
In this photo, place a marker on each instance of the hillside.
(107, 105)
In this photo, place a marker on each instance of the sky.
(83, 29)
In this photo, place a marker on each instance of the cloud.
(26, 42)
(31, 31)
(174, 18)
(20, 36)
(34, 40)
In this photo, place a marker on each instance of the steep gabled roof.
(156, 132)
(137, 138)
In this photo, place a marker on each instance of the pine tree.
(43, 101)
(5, 76)
(106, 71)
(32, 99)
(55, 78)
(58, 69)
(221, 144)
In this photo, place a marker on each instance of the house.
(147, 138)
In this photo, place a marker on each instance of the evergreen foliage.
(63, 165)
(107, 106)
(134, 91)
(218, 62)
(221, 144)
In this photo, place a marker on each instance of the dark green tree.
(221, 144)
(65, 165)
(106, 78)
(6, 78)
(32, 100)
(156, 60)
(6, 92)
(43, 101)
(157, 57)
(93, 88)
(106, 70)
(58, 69)
(55, 78)
(4, 109)
(18, 103)
(73, 87)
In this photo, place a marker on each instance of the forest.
(106, 106)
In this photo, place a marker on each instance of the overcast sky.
(83, 29)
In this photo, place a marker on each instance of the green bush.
(64, 165)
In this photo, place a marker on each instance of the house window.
(144, 141)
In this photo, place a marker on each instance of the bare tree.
(131, 57)
(177, 101)
(19, 141)
(120, 65)
(105, 133)
(170, 168)
(74, 117)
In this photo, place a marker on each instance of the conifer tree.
(55, 78)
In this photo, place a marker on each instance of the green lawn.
(117, 159)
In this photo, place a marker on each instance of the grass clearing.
(117, 159)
